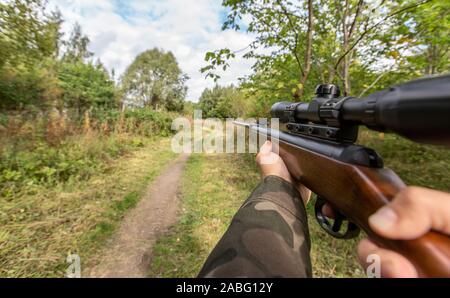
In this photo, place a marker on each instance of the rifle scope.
(418, 110)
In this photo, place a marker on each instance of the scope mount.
(328, 106)
(347, 134)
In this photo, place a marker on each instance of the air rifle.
(317, 140)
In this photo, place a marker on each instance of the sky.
(119, 30)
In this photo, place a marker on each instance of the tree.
(28, 33)
(279, 29)
(427, 37)
(307, 42)
(86, 86)
(29, 40)
(77, 46)
(31, 71)
(154, 79)
(222, 102)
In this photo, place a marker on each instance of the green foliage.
(86, 86)
(150, 122)
(189, 108)
(154, 79)
(42, 224)
(29, 38)
(77, 158)
(22, 87)
(217, 58)
(77, 46)
(128, 202)
(28, 160)
(28, 33)
(363, 46)
(31, 75)
(430, 36)
(222, 102)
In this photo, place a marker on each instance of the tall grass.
(45, 151)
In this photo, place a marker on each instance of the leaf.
(394, 54)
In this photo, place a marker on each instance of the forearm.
(268, 237)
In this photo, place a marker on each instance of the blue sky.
(119, 30)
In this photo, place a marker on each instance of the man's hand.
(271, 164)
(414, 212)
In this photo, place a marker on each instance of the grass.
(214, 187)
(40, 228)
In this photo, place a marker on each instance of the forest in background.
(54, 96)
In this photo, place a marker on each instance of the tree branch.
(375, 26)
(358, 11)
(291, 25)
(308, 56)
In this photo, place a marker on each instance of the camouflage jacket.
(268, 237)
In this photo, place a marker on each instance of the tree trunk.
(345, 66)
(308, 55)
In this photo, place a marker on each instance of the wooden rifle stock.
(358, 192)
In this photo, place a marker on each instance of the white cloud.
(119, 30)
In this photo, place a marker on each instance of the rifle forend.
(418, 110)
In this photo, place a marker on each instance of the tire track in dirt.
(129, 252)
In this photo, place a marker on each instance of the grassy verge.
(214, 186)
(41, 227)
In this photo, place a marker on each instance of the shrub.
(148, 122)
(41, 153)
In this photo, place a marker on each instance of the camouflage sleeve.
(268, 237)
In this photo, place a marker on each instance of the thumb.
(266, 156)
(266, 148)
(412, 213)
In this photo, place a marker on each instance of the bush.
(77, 158)
(86, 86)
(47, 154)
(148, 122)
(23, 87)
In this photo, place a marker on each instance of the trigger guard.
(352, 229)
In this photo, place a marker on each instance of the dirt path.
(129, 252)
